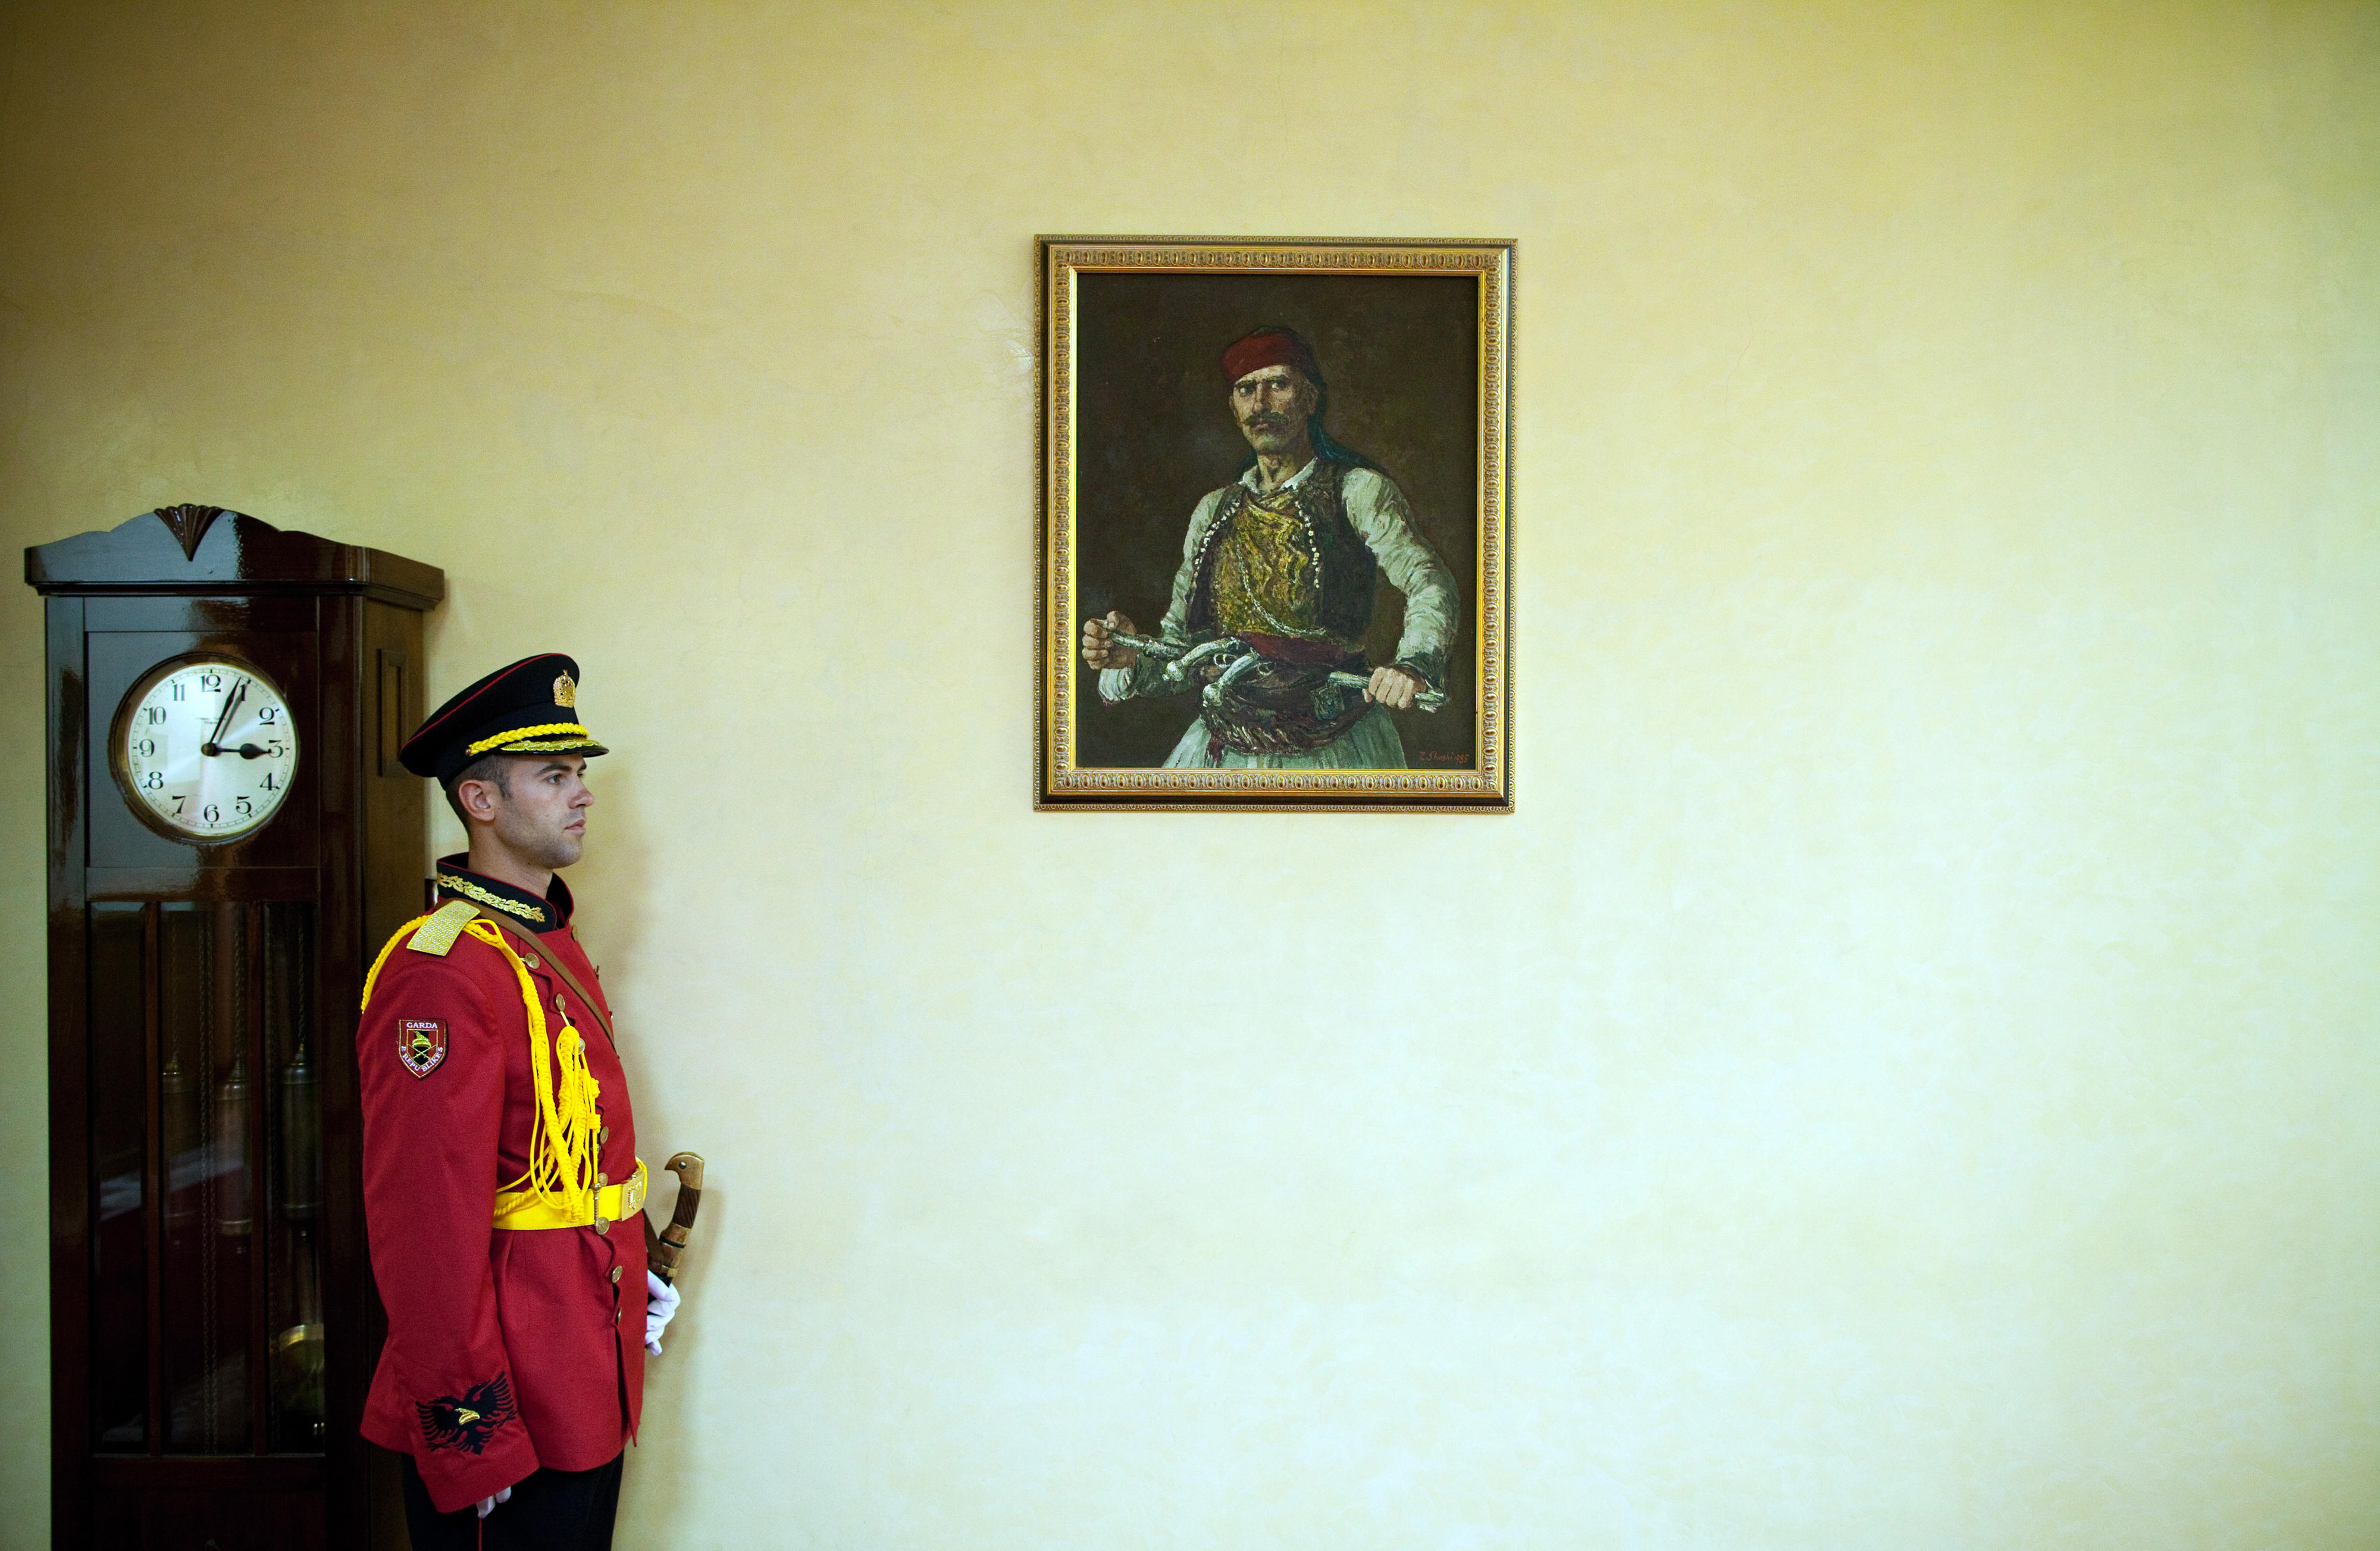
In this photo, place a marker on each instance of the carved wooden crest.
(189, 524)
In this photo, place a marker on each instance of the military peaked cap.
(529, 708)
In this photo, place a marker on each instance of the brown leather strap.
(549, 960)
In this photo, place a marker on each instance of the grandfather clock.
(230, 839)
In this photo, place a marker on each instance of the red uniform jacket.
(508, 1350)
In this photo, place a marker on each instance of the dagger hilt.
(664, 1250)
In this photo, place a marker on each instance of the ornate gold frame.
(1059, 781)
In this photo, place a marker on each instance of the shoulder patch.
(437, 934)
(421, 1043)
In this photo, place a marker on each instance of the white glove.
(663, 1304)
(488, 1504)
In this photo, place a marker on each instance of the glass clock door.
(206, 1131)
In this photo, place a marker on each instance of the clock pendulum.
(297, 1349)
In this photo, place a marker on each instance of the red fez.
(1269, 346)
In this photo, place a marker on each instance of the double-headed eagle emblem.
(468, 1422)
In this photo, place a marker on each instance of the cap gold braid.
(473, 750)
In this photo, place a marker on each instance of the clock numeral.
(211, 682)
(153, 781)
(181, 691)
(146, 747)
(268, 783)
(246, 809)
(211, 813)
(273, 749)
(177, 806)
(268, 714)
(154, 715)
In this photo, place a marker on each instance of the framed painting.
(1275, 559)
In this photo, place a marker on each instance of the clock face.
(205, 748)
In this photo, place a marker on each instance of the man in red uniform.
(502, 1193)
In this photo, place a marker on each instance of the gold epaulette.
(443, 925)
(433, 933)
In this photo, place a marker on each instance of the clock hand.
(231, 703)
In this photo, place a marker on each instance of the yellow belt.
(522, 1209)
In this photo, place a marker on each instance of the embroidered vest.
(1349, 575)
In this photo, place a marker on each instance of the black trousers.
(553, 1510)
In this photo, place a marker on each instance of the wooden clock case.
(180, 1228)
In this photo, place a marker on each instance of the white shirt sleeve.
(1378, 511)
(1142, 678)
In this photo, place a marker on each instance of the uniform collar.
(457, 881)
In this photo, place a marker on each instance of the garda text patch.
(421, 1043)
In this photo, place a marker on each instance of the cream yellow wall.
(1906, 1077)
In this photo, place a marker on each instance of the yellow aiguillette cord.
(564, 1136)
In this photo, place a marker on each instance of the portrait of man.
(1277, 489)
(1276, 586)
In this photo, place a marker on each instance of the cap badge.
(565, 691)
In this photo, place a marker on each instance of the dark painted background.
(1155, 434)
